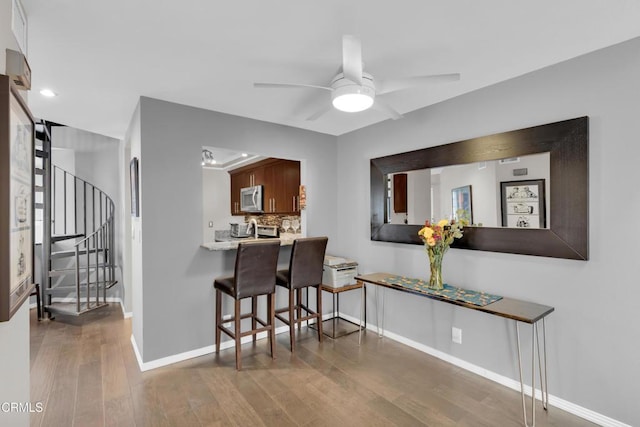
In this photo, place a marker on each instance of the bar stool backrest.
(255, 271)
(306, 263)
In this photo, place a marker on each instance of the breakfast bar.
(517, 310)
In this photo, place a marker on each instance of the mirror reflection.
(511, 192)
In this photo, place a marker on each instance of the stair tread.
(62, 271)
(72, 252)
(59, 237)
(70, 308)
(42, 154)
(83, 286)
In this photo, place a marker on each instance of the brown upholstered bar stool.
(254, 275)
(305, 270)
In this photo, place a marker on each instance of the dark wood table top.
(510, 308)
(334, 290)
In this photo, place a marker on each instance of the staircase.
(75, 220)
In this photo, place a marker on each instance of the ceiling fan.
(355, 90)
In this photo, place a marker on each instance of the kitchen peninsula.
(285, 240)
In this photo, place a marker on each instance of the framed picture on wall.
(134, 179)
(523, 204)
(461, 201)
(16, 203)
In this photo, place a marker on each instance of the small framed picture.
(461, 203)
(523, 204)
(135, 189)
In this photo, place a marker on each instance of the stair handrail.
(100, 240)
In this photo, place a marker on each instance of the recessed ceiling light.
(48, 93)
(244, 154)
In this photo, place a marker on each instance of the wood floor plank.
(86, 374)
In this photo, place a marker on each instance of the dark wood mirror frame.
(568, 144)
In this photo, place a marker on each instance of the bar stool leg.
(292, 322)
(254, 312)
(218, 318)
(271, 304)
(237, 334)
(299, 307)
(319, 309)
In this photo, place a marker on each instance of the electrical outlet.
(226, 317)
(456, 335)
(210, 224)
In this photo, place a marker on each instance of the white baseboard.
(559, 403)
(169, 360)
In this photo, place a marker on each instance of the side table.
(337, 325)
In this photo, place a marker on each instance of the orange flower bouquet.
(437, 239)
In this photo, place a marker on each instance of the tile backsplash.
(272, 219)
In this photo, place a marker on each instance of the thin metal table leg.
(379, 324)
(534, 334)
(336, 313)
(363, 301)
(542, 367)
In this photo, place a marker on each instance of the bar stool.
(254, 275)
(305, 270)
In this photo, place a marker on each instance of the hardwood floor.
(86, 374)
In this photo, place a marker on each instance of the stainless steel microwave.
(251, 199)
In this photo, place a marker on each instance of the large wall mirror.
(524, 191)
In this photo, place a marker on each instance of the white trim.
(169, 360)
(559, 403)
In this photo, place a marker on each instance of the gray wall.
(178, 298)
(593, 335)
(14, 334)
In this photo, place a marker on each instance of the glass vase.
(435, 264)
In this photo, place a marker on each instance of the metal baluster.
(88, 270)
(97, 246)
(64, 198)
(75, 205)
(77, 279)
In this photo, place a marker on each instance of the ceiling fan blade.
(289, 85)
(382, 105)
(394, 85)
(321, 112)
(352, 58)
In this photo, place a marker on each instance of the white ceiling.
(101, 56)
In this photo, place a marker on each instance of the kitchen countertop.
(286, 239)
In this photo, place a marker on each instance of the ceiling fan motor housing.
(349, 96)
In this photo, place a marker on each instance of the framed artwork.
(523, 204)
(16, 203)
(135, 196)
(461, 201)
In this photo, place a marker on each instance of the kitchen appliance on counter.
(266, 231)
(339, 272)
(251, 199)
(240, 230)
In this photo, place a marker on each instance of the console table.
(517, 310)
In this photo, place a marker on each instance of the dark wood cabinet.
(280, 180)
(400, 193)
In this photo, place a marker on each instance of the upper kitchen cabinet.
(280, 180)
(282, 195)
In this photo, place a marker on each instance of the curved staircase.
(77, 222)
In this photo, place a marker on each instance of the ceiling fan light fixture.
(351, 97)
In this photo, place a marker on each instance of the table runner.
(449, 292)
